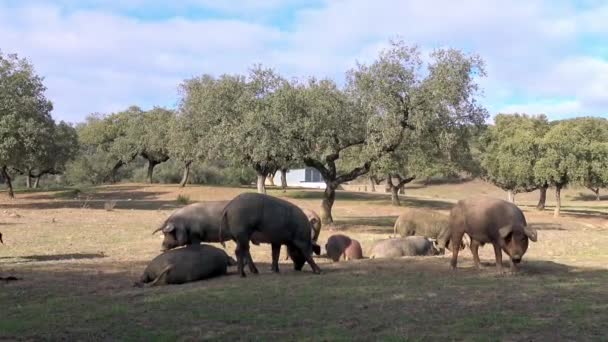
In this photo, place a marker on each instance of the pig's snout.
(516, 259)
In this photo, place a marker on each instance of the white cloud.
(102, 59)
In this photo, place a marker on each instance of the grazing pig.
(193, 224)
(339, 245)
(427, 223)
(490, 220)
(279, 221)
(406, 246)
(187, 264)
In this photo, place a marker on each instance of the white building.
(302, 178)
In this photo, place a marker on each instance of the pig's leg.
(498, 253)
(456, 241)
(475, 252)
(239, 260)
(276, 251)
(313, 264)
(252, 268)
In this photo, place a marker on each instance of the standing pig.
(183, 265)
(2, 242)
(490, 220)
(279, 221)
(193, 224)
(339, 245)
(406, 246)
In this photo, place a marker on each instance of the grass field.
(78, 262)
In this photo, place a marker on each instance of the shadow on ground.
(97, 204)
(58, 257)
(359, 300)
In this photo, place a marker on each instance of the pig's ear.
(531, 233)
(316, 248)
(168, 228)
(505, 231)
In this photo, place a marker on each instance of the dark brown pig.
(489, 220)
(187, 264)
(341, 246)
(193, 224)
(280, 223)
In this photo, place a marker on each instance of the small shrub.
(109, 205)
(183, 199)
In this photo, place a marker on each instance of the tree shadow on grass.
(377, 221)
(376, 198)
(100, 194)
(546, 226)
(365, 224)
(98, 204)
(58, 257)
(588, 197)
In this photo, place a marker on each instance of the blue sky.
(546, 57)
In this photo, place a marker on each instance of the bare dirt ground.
(78, 261)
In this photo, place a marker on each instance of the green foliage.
(234, 118)
(575, 151)
(92, 166)
(437, 108)
(24, 113)
(510, 150)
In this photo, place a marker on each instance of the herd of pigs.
(258, 218)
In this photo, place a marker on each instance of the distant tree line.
(522, 153)
(399, 118)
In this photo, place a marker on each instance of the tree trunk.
(558, 200)
(261, 183)
(186, 175)
(284, 179)
(271, 179)
(28, 181)
(395, 196)
(372, 184)
(329, 196)
(388, 184)
(596, 191)
(151, 165)
(510, 196)
(36, 182)
(543, 198)
(115, 169)
(9, 184)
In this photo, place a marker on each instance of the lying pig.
(490, 220)
(339, 245)
(187, 264)
(406, 246)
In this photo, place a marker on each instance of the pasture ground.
(78, 261)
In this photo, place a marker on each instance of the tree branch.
(403, 181)
(319, 167)
(354, 173)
